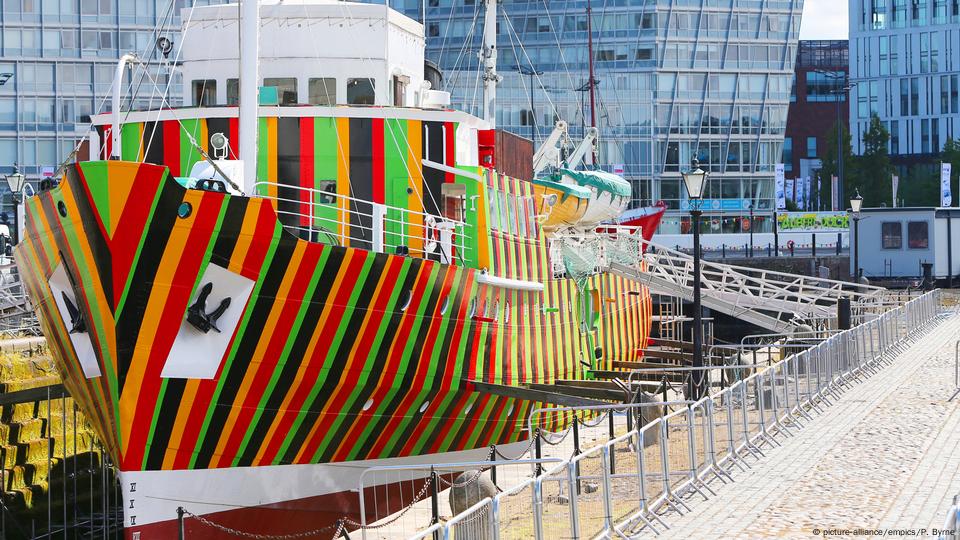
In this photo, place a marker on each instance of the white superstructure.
(317, 52)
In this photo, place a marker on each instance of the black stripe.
(153, 142)
(361, 181)
(143, 275)
(99, 246)
(261, 304)
(164, 426)
(288, 171)
(230, 229)
(317, 303)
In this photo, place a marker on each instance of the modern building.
(676, 80)
(57, 66)
(817, 103)
(905, 65)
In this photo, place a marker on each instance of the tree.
(921, 187)
(873, 166)
(829, 165)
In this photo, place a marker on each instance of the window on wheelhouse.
(204, 92)
(286, 88)
(323, 91)
(400, 83)
(233, 91)
(361, 91)
(454, 197)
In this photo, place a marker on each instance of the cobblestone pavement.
(885, 456)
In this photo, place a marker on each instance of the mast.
(593, 80)
(490, 76)
(249, 86)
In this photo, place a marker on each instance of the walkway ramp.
(776, 301)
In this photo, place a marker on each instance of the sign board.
(895, 180)
(946, 198)
(813, 221)
(47, 172)
(718, 205)
(618, 168)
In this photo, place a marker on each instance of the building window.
(825, 86)
(286, 89)
(787, 154)
(322, 91)
(811, 147)
(924, 136)
(361, 91)
(204, 93)
(894, 137)
(891, 234)
(917, 235)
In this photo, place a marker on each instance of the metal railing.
(677, 456)
(339, 219)
(956, 370)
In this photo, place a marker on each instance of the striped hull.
(335, 354)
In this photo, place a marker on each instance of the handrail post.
(180, 533)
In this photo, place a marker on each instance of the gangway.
(776, 301)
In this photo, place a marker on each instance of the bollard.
(613, 467)
(768, 249)
(434, 501)
(724, 250)
(538, 451)
(813, 245)
(180, 522)
(839, 242)
(843, 313)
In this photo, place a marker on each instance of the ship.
(259, 295)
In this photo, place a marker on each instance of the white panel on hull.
(195, 354)
(59, 286)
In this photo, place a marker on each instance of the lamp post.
(694, 180)
(856, 203)
(750, 207)
(15, 181)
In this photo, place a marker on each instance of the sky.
(824, 19)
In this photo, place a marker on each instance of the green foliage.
(873, 168)
(951, 154)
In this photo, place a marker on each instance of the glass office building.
(678, 79)
(57, 65)
(905, 63)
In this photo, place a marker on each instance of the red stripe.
(235, 137)
(306, 168)
(181, 286)
(132, 224)
(378, 173)
(450, 157)
(263, 236)
(264, 366)
(171, 146)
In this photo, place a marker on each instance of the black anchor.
(78, 325)
(197, 315)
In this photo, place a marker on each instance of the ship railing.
(331, 218)
(636, 481)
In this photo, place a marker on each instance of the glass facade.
(678, 79)
(905, 64)
(57, 66)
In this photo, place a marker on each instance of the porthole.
(62, 208)
(184, 210)
(368, 404)
(423, 407)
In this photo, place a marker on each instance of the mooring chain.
(599, 420)
(340, 525)
(522, 453)
(563, 437)
(256, 536)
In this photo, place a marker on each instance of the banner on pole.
(819, 195)
(780, 187)
(791, 189)
(946, 198)
(895, 180)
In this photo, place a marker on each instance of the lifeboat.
(561, 205)
(609, 193)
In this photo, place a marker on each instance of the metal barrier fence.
(662, 463)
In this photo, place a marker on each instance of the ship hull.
(276, 500)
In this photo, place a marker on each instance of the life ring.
(431, 235)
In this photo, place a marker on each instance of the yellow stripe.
(183, 413)
(343, 179)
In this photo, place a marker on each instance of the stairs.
(776, 301)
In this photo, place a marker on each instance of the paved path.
(885, 456)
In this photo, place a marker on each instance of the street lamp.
(15, 182)
(694, 180)
(856, 203)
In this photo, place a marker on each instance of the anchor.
(197, 315)
(78, 325)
